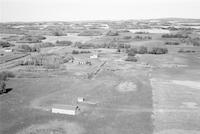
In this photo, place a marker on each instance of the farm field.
(138, 82)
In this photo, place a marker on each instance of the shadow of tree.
(6, 91)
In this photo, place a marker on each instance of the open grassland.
(155, 93)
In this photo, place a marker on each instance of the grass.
(131, 58)
(120, 89)
(90, 33)
(6, 74)
(53, 127)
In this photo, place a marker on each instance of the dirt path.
(12, 62)
(94, 73)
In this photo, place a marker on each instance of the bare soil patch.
(191, 84)
(126, 87)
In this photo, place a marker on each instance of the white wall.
(63, 111)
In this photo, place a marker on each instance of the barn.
(65, 109)
(80, 99)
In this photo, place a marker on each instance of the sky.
(75, 10)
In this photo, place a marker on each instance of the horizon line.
(99, 20)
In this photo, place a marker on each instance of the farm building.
(80, 99)
(8, 50)
(95, 56)
(65, 109)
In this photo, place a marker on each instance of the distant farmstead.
(65, 109)
(94, 56)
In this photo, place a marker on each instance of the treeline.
(31, 39)
(174, 36)
(142, 37)
(27, 48)
(145, 50)
(80, 52)
(86, 45)
(172, 43)
(186, 51)
(4, 44)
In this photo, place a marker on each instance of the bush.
(195, 41)
(186, 51)
(2, 86)
(45, 44)
(174, 36)
(131, 58)
(49, 61)
(31, 39)
(143, 50)
(172, 43)
(67, 59)
(127, 37)
(157, 50)
(132, 52)
(142, 37)
(5, 44)
(75, 52)
(84, 52)
(122, 45)
(86, 46)
(77, 44)
(112, 33)
(118, 50)
(59, 33)
(63, 43)
(6, 74)
(27, 48)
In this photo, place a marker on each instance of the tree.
(75, 52)
(142, 50)
(2, 86)
(112, 33)
(157, 50)
(5, 44)
(131, 58)
(132, 52)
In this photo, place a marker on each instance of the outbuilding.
(8, 50)
(65, 109)
(95, 56)
(80, 99)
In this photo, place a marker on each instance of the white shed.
(80, 99)
(95, 56)
(65, 109)
(8, 50)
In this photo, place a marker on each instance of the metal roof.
(66, 107)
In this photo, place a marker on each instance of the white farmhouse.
(65, 109)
